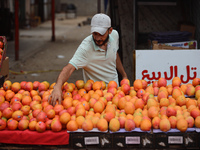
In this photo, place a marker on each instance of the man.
(97, 56)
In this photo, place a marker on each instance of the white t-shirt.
(97, 64)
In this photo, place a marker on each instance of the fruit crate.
(127, 139)
(198, 136)
(161, 140)
(176, 140)
(191, 140)
(90, 140)
(147, 141)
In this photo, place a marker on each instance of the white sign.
(154, 64)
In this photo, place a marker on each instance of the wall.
(84, 7)
(157, 18)
(154, 18)
(167, 18)
(195, 18)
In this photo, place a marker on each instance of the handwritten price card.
(153, 64)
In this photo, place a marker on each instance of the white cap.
(100, 23)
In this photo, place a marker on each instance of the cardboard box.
(175, 45)
(189, 28)
(61, 16)
(4, 70)
(3, 53)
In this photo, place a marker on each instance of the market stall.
(96, 115)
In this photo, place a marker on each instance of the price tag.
(132, 140)
(91, 140)
(175, 140)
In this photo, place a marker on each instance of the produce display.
(95, 105)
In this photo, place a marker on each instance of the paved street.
(40, 59)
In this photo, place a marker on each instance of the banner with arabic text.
(150, 65)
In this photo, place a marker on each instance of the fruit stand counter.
(137, 139)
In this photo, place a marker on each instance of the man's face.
(99, 39)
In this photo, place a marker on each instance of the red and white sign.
(153, 64)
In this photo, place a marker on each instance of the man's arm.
(62, 78)
(120, 67)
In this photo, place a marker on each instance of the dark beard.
(104, 42)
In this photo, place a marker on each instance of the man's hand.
(64, 75)
(55, 95)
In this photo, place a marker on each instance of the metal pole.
(16, 30)
(99, 6)
(53, 19)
